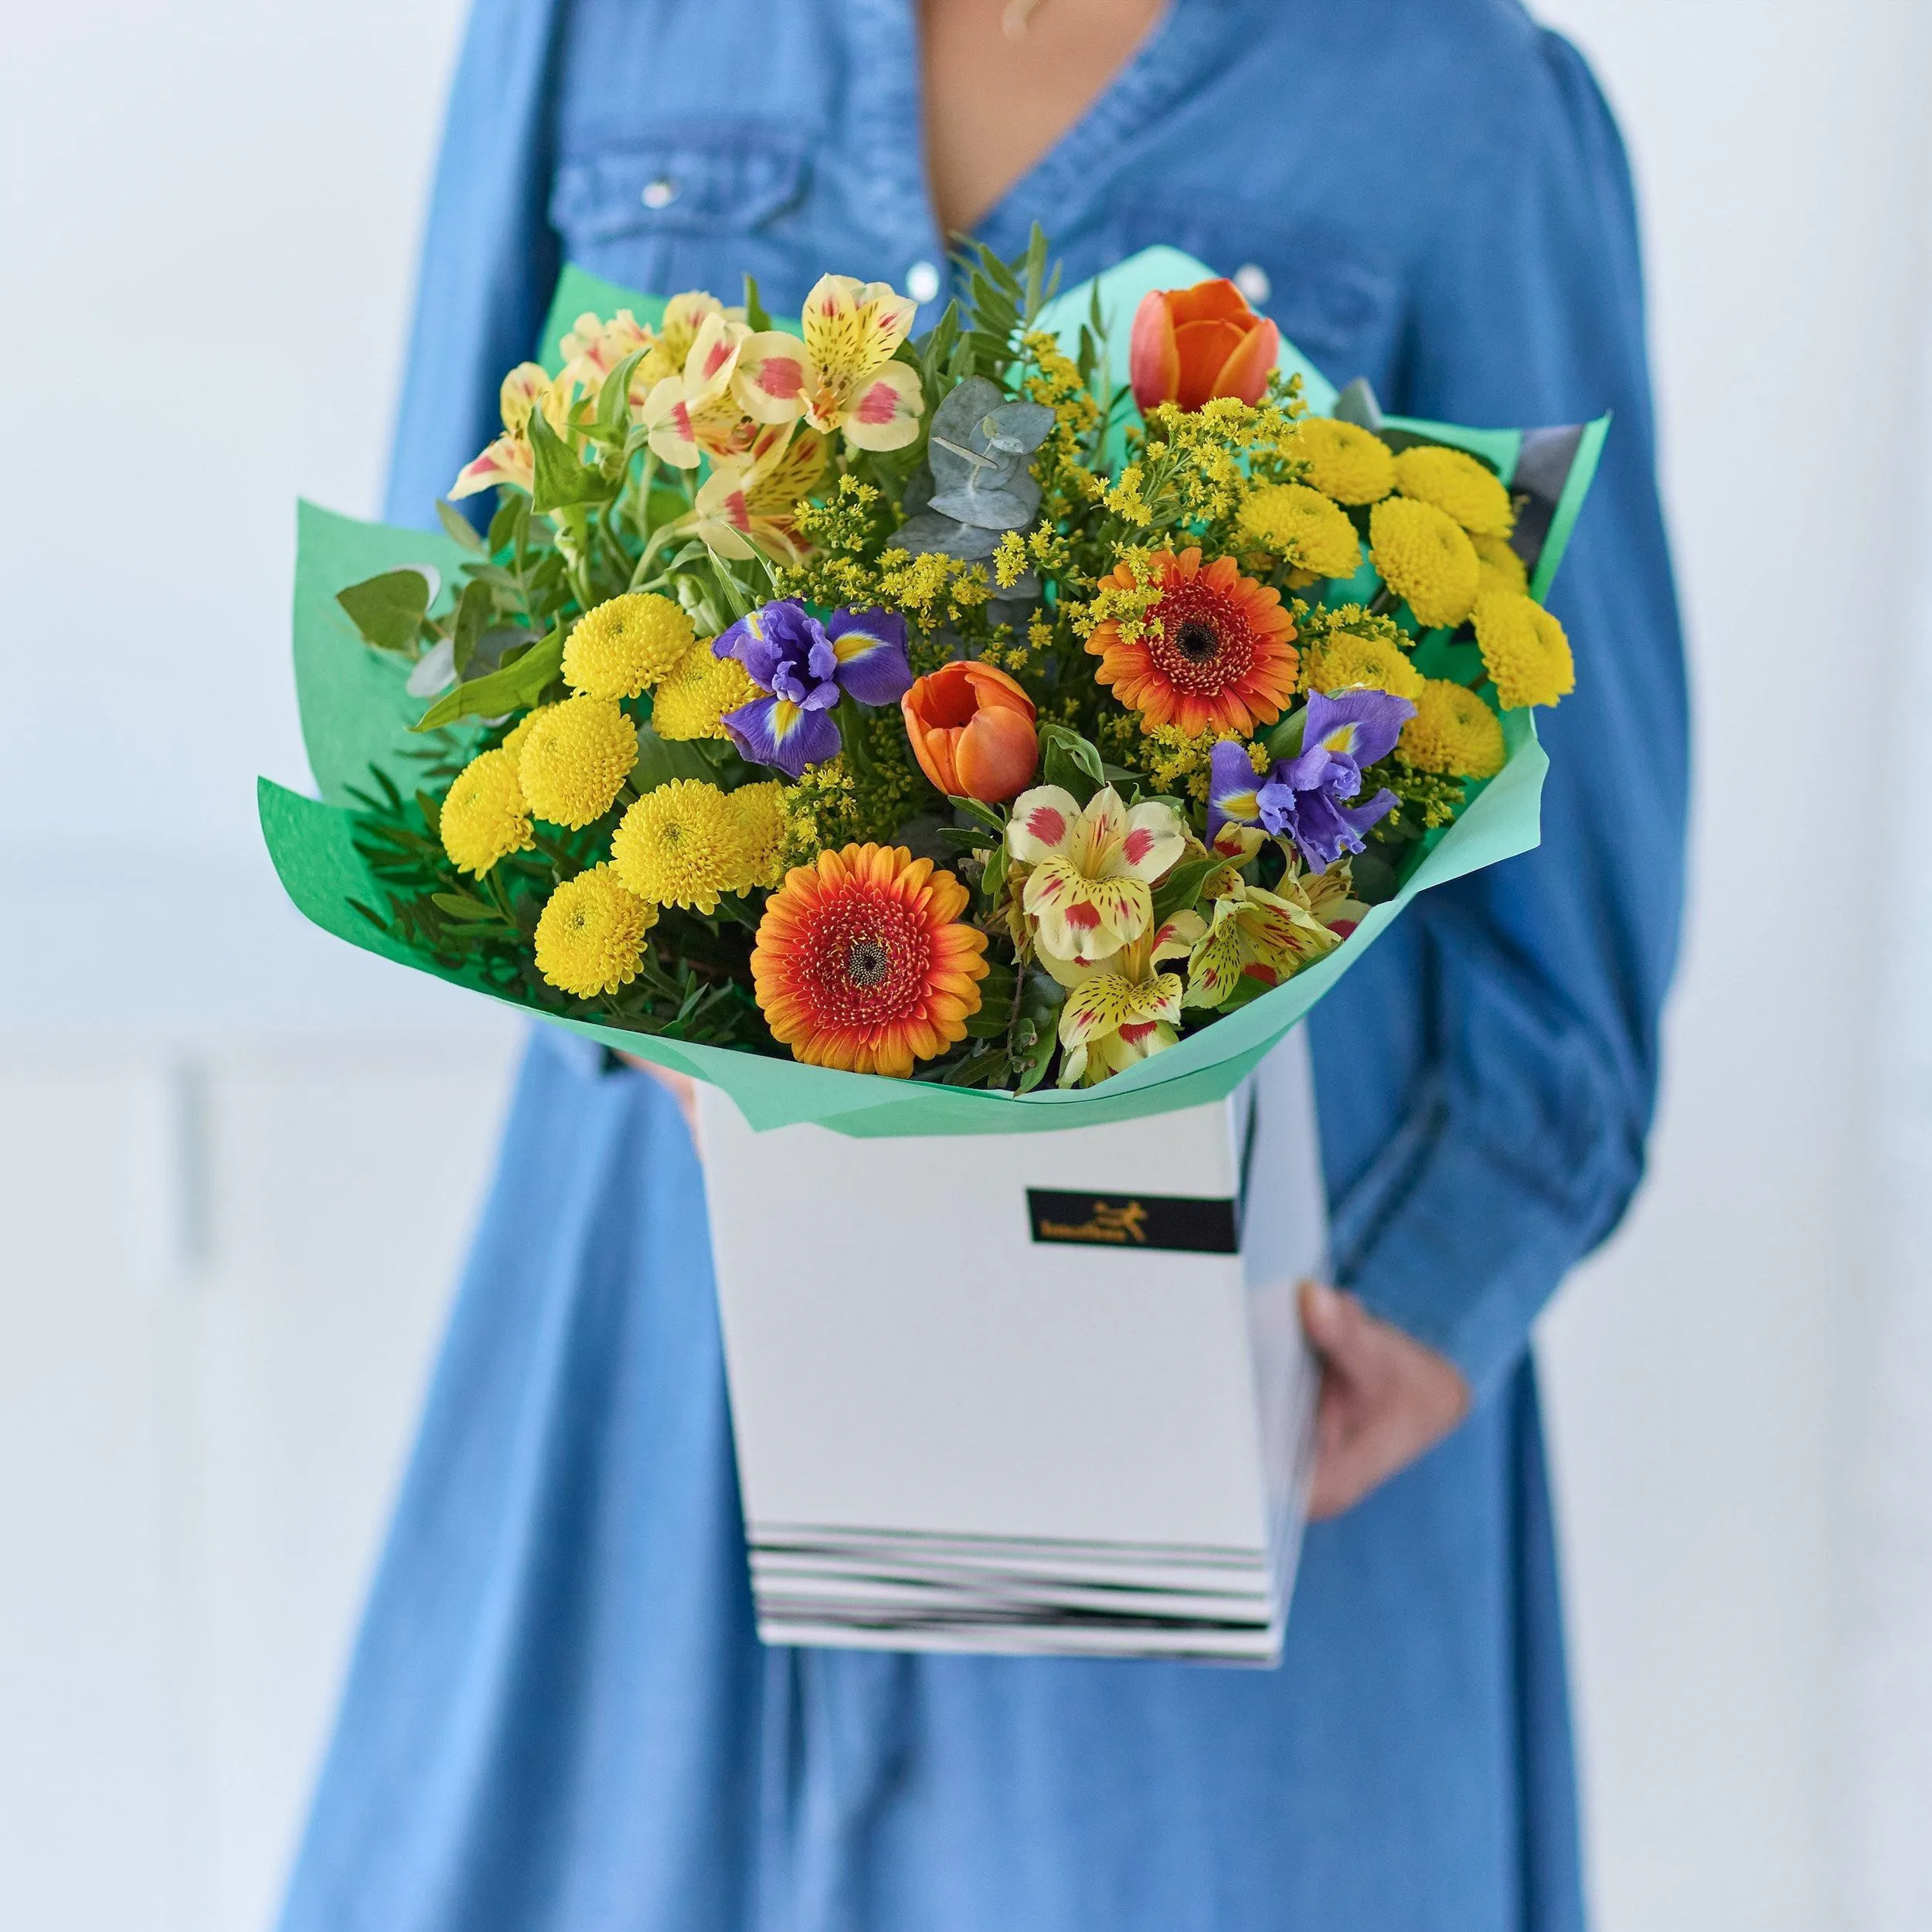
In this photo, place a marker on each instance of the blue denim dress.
(559, 1718)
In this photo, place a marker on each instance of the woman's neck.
(1004, 83)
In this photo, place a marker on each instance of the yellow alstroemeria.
(1268, 937)
(692, 413)
(509, 459)
(1089, 892)
(684, 316)
(594, 348)
(749, 504)
(1126, 1009)
(841, 376)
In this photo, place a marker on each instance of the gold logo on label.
(1116, 1226)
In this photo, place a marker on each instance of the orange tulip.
(1191, 344)
(971, 729)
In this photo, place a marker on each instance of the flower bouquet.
(928, 734)
(1016, 726)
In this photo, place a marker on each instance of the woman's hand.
(1385, 1399)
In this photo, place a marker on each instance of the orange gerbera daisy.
(861, 962)
(1215, 651)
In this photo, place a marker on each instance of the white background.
(237, 1163)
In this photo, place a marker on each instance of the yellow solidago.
(589, 936)
(1502, 569)
(1454, 733)
(1345, 462)
(694, 694)
(932, 589)
(1010, 560)
(1346, 658)
(1459, 486)
(1424, 555)
(1126, 603)
(1125, 501)
(820, 813)
(621, 648)
(760, 812)
(679, 845)
(484, 817)
(575, 758)
(1303, 527)
(1525, 649)
(1176, 764)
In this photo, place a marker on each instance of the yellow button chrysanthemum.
(589, 936)
(623, 648)
(759, 811)
(1303, 527)
(513, 739)
(1525, 649)
(680, 844)
(575, 759)
(1459, 486)
(1345, 658)
(1424, 555)
(484, 816)
(1454, 733)
(1502, 569)
(1345, 462)
(697, 691)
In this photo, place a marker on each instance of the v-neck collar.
(887, 126)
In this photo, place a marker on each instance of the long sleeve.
(490, 258)
(1547, 973)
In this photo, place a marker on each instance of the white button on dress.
(660, 193)
(1252, 279)
(922, 281)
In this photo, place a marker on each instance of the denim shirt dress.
(558, 1717)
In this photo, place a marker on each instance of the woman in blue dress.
(559, 1718)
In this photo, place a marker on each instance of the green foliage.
(563, 478)
(389, 610)
(1180, 892)
(515, 687)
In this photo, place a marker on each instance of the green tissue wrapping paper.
(355, 713)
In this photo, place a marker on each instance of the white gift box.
(1041, 1393)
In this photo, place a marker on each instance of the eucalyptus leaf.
(507, 525)
(933, 532)
(1012, 506)
(389, 610)
(501, 642)
(435, 670)
(1357, 404)
(474, 608)
(457, 527)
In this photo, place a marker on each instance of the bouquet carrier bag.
(1033, 1392)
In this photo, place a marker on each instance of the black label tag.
(1181, 1223)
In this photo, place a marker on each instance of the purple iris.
(805, 667)
(1302, 798)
